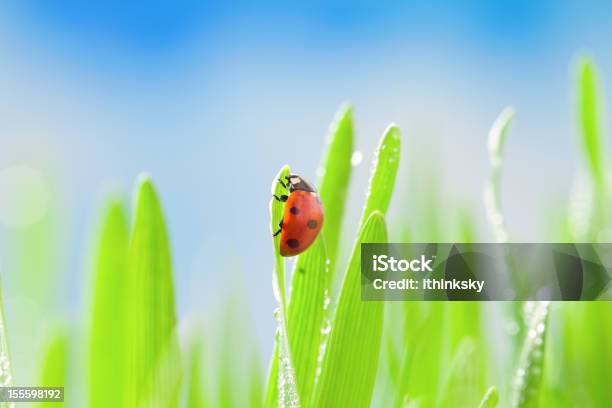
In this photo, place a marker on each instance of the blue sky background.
(212, 99)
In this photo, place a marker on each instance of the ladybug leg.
(282, 183)
(280, 228)
(281, 198)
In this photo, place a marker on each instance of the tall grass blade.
(195, 384)
(308, 308)
(583, 366)
(311, 276)
(287, 387)
(492, 198)
(529, 372)
(422, 361)
(335, 177)
(152, 348)
(167, 376)
(54, 366)
(271, 393)
(490, 399)
(579, 372)
(288, 394)
(587, 212)
(6, 369)
(350, 361)
(107, 352)
(384, 172)
(592, 141)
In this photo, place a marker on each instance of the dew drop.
(528, 308)
(287, 386)
(6, 378)
(326, 300)
(356, 158)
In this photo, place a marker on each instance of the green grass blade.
(6, 369)
(271, 395)
(529, 372)
(150, 315)
(490, 399)
(587, 212)
(287, 387)
(226, 390)
(422, 338)
(592, 141)
(107, 353)
(54, 366)
(311, 276)
(463, 348)
(307, 312)
(492, 198)
(288, 396)
(335, 179)
(497, 141)
(384, 172)
(350, 362)
(195, 384)
(579, 361)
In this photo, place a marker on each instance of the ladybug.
(302, 216)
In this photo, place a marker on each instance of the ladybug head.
(297, 183)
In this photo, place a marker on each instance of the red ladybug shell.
(302, 221)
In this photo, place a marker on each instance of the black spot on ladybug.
(293, 243)
(294, 210)
(312, 224)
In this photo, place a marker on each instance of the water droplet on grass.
(356, 158)
(326, 300)
(6, 378)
